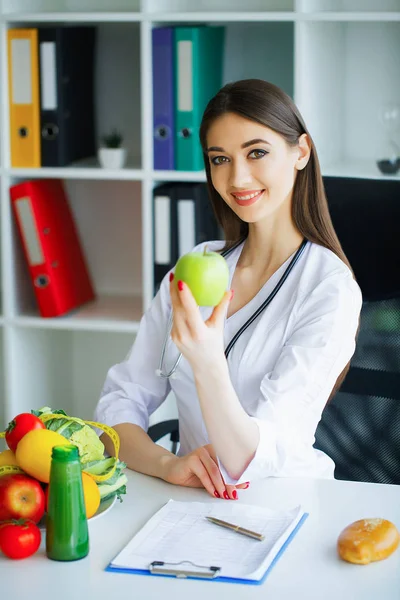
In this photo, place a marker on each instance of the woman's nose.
(240, 175)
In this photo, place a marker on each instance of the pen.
(242, 530)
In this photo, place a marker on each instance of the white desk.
(309, 569)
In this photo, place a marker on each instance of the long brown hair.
(267, 104)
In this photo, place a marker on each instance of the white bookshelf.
(339, 59)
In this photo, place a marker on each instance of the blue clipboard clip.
(158, 567)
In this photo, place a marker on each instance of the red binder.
(51, 245)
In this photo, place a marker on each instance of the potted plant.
(111, 154)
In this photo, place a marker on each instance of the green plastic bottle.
(67, 535)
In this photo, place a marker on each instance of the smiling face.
(252, 167)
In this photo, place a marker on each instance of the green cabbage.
(77, 432)
(91, 452)
(115, 485)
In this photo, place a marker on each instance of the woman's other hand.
(200, 469)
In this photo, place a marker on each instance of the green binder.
(198, 66)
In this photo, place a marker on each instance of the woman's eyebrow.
(256, 141)
(245, 145)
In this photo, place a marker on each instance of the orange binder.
(23, 85)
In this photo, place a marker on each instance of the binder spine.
(66, 94)
(186, 133)
(163, 98)
(35, 256)
(51, 128)
(187, 229)
(164, 233)
(24, 97)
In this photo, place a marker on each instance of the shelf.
(73, 17)
(349, 16)
(107, 313)
(361, 169)
(376, 7)
(178, 175)
(222, 17)
(200, 17)
(81, 171)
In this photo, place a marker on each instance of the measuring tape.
(11, 469)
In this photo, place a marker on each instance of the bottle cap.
(65, 453)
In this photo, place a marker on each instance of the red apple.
(21, 497)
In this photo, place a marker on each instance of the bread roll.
(368, 540)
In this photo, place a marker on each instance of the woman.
(251, 412)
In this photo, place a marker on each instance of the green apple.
(206, 274)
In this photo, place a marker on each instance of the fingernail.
(216, 494)
(171, 276)
(232, 293)
(247, 484)
(180, 285)
(234, 494)
(226, 496)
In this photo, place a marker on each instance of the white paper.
(179, 532)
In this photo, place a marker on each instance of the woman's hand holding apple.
(200, 279)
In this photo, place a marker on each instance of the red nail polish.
(216, 494)
(226, 496)
(180, 285)
(247, 485)
(171, 276)
(234, 494)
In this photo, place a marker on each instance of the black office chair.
(159, 430)
(360, 426)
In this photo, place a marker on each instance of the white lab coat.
(283, 367)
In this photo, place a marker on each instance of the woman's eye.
(258, 153)
(218, 160)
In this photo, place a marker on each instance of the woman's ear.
(304, 151)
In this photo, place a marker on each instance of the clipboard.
(189, 570)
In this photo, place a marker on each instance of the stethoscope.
(247, 324)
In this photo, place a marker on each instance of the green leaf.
(113, 139)
(98, 467)
(11, 426)
(69, 428)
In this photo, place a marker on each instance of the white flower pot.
(112, 158)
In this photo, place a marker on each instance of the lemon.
(91, 494)
(34, 452)
(7, 459)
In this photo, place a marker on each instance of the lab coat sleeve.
(132, 391)
(293, 395)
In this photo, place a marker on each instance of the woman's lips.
(237, 198)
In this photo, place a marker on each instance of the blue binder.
(163, 98)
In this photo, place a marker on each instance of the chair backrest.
(360, 427)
